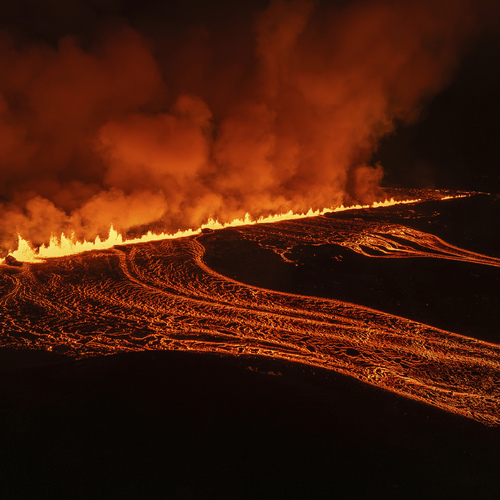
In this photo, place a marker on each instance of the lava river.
(163, 296)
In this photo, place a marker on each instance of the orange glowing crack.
(64, 246)
(162, 295)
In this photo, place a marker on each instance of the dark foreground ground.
(191, 426)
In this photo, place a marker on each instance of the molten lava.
(163, 295)
(269, 108)
(62, 246)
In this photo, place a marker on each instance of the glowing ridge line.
(64, 246)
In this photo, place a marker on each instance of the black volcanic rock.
(180, 425)
(124, 248)
(12, 261)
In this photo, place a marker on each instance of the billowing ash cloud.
(135, 125)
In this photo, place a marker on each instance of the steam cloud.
(281, 110)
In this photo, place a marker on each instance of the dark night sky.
(456, 142)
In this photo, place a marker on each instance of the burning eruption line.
(65, 246)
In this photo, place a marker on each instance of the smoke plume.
(140, 122)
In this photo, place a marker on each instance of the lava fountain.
(62, 246)
(157, 295)
(272, 111)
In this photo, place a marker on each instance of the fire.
(106, 131)
(64, 245)
(166, 296)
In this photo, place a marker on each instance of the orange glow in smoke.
(281, 113)
(63, 245)
(164, 296)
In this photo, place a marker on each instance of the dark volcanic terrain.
(353, 355)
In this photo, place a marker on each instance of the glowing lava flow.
(164, 296)
(63, 246)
